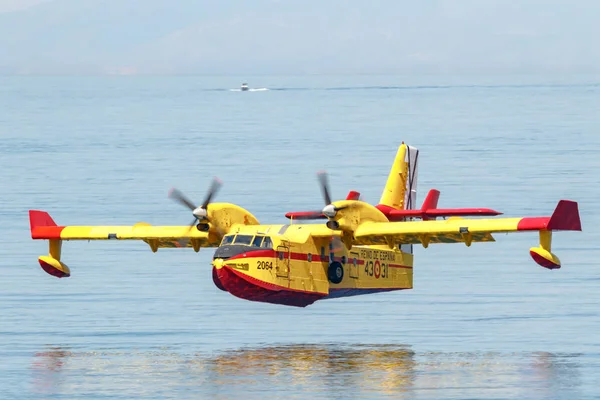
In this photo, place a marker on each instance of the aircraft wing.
(457, 230)
(43, 227)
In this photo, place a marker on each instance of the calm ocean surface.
(483, 322)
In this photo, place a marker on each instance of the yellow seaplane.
(360, 249)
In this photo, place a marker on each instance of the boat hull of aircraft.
(296, 275)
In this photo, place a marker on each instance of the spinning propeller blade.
(214, 188)
(200, 213)
(324, 181)
(179, 197)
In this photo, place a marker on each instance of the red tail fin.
(430, 203)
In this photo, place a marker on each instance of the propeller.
(199, 212)
(329, 210)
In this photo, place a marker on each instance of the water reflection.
(320, 368)
(305, 371)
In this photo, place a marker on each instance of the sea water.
(481, 322)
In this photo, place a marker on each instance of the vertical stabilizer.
(400, 190)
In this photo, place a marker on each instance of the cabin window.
(309, 257)
(227, 239)
(257, 241)
(243, 239)
(343, 260)
(267, 243)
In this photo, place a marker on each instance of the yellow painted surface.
(395, 187)
(367, 244)
(288, 265)
(441, 231)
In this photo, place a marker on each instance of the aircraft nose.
(228, 251)
(217, 263)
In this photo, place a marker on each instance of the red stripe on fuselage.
(292, 256)
(399, 266)
(304, 257)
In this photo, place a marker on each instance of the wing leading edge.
(43, 227)
(458, 230)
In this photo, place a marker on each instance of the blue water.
(481, 322)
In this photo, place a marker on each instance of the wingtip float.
(361, 249)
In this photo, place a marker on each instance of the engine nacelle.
(54, 267)
(349, 214)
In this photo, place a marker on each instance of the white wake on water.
(249, 90)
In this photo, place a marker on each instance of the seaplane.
(347, 248)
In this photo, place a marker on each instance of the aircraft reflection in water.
(306, 371)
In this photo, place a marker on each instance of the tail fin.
(400, 190)
(431, 202)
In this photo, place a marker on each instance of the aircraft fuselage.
(286, 264)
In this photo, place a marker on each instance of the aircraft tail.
(400, 190)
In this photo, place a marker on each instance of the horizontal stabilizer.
(429, 210)
(308, 215)
(395, 215)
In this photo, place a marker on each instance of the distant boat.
(244, 87)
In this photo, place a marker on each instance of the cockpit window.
(227, 240)
(257, 241)
(267, 243)
(243, 239)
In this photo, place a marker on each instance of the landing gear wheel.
(203, 227)
(335, 272)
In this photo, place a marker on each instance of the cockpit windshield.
(267, 243)
(257, 241)
(227, 239)
(260, 241)
(243, 239)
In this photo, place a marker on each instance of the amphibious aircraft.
(361, 249)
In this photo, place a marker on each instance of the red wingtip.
(43, 226)
(565, 217)
(40, 218)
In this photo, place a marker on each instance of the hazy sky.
(293, 36)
